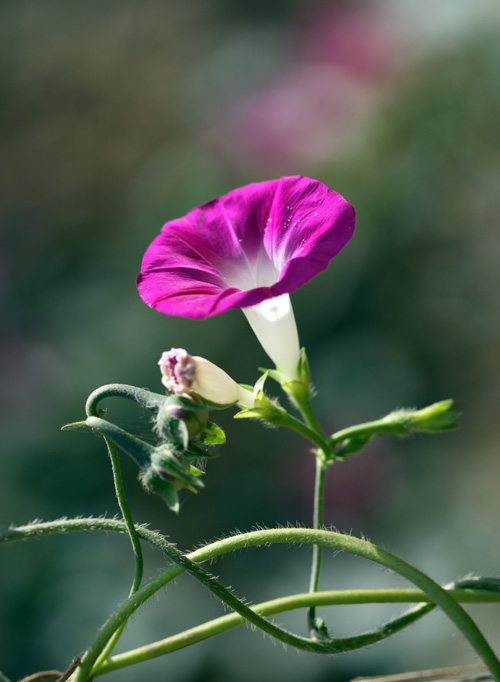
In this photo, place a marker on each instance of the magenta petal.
(254, 243)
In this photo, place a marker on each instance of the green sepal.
(195, 471)
(273, 373)
(191, 418)
(431, 419)
(303, 372)
(259, 384)
(167, 474)
(266, 411)
(435, 418)
(212, 434)
(304, 369)
(188, 403)
(299, 389)
(154, 483)
(350, 446)
(163, 460)
(210, 405)
(173, 430)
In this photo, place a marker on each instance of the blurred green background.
(118, 116)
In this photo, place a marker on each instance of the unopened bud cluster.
(181, 424)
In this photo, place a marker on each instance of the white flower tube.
(274, 325)
(184, 373)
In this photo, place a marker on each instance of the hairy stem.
(337, 541)
(134, 538)
(315, 628)
(148, 400)
(281, 605)
(141, 396)
(437, 595)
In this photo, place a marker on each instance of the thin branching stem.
(134, 539)
(319, 488)
(437, 595)
(281, 605)
(330, 539)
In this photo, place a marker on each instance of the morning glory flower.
(249, 249)
(184, 373)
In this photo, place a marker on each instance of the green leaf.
(212, 434)
(195, 471)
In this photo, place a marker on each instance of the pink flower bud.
(184, 373)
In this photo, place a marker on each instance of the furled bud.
(184, 373)
(193, 415)
(167, 473)
(435, 418)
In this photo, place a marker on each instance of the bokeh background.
(117, 116)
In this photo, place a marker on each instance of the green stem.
(360, 430)
(437, 594)
(300, 391)
(281, 605)
(148, 400)
(330, 539)
(63, 526)
(308, 431)
(141, 396)
(134, 539)
(316, 628)
(303, 400)
(3, 678)
(127, 516)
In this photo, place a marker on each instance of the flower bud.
(192, 415)
(435, 418)
(183, 373)
(167, 473)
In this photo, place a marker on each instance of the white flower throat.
(274, 325)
